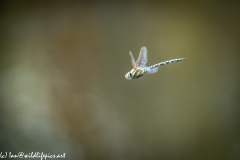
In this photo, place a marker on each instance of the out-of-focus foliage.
(63, 88)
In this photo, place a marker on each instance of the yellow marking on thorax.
(137, 72)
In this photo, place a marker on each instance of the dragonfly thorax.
(135, 73)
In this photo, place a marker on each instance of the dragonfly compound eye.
(128, 76)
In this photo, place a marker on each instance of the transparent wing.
(132, 59)
(151, 71)
(142, 58)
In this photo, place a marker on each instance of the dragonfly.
(140, 67)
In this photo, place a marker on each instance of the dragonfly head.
(128, 76)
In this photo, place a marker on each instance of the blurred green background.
(63, 90)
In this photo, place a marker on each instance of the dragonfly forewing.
(142, 58)
(132, 59)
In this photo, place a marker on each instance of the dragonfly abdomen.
(167, 62)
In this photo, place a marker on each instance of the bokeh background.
(63, 90)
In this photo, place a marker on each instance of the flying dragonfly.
(139, 66)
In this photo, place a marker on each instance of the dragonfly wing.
(142, 58)
(132, 59)
(151, 71)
